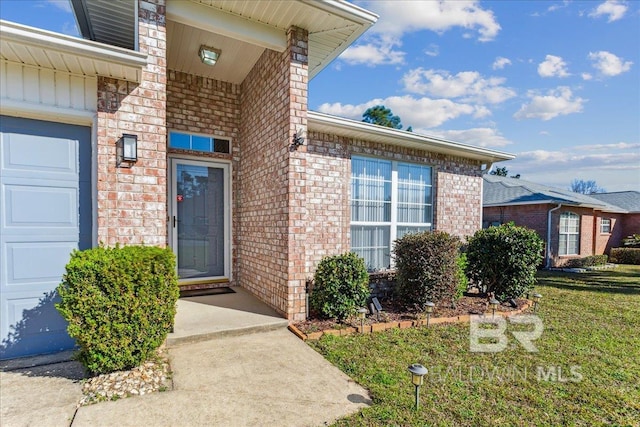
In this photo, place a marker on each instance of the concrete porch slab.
(212, 316)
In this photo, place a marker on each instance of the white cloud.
(555, 7)
(609, 64)
(608, 147)
(65, 5)
(556, 103)
(553, 66)
(614, 9)
(469, 86)
(612, 166)
(433, 50)
(379, 51)
(415, 112)
(500, 63)
(586, 76)
(482, 137)
(400, 17)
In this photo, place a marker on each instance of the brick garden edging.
(401, 324)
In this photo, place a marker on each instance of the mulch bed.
(469, 303)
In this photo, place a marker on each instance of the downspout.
(548, 254)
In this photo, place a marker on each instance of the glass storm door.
(199, 224)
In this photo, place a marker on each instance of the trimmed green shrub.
(120, 304)
(341, 285)
(588, 261)
(625, 256)
(632, 241)
(503, 260)
(427, 268)
(463, 281)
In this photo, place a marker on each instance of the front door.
(199, 225)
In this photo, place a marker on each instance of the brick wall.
(132, 202)
(271, 178)
(604, 242)
(630, 224)
(457, 191)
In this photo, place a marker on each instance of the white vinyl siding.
(388, 200)
(569, 242)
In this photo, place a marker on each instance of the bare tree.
(585, 187)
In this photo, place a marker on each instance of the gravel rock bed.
(147, 378)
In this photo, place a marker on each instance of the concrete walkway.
(259, 375)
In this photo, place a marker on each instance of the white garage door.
(45, 213)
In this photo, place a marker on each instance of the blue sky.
(555, 82)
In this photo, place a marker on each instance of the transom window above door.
(388, 200)
(207, 144)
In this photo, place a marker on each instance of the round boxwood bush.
(120, 304)
(341, 285)
(504, 260)
(427, 268)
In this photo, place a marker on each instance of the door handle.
(175, 221)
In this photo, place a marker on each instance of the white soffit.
(332, 24)
(332, 125)
(49, 50)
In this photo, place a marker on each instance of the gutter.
(548, 248)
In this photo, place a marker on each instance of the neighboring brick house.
(232, 171)
(572, 225)
(630, 202)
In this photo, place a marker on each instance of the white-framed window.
(605, 225)
(569, 234)
(388, 200)
(206, 143)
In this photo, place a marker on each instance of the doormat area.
(203, 292)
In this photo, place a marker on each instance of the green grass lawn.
(591, 342)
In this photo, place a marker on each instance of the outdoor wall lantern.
(362, 314)
(536, 300)
(417, 378)
(428, 308)
(297, 140)
(127, 150)
(494, 304)
(208, 55)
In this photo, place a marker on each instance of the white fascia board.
(9, 107)
(362, 18)
(229, 25)
(366, 131)
(345, 10)
(99, 52)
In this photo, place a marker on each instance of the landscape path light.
(494, 304)
(428, 308)
(417, 378)
(362, 314)
(536, 300)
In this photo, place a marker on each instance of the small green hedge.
(503, 260)
(120, 304)
(341, 285)
(625, 256)
(428, 269)
(588, 261)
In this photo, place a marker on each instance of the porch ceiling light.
(208, 55)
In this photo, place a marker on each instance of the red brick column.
(132, 201)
